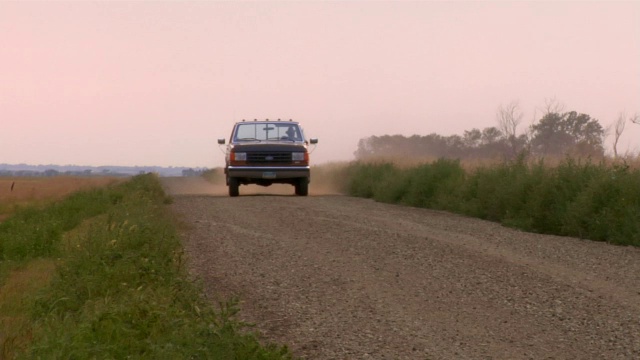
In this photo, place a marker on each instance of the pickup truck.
(265, 153)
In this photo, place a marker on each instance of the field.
(20, 192)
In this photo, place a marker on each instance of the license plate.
(268, 175)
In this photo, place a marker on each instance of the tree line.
(25, 170)
(557, 133)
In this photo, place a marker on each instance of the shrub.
(574, 198)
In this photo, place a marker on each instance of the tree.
(618, 129)
(567, 134)
(51, 172)
(365, 148)
(509, 117)
(552, 105)
(490, 135)
(472, 138)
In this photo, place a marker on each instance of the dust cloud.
(324, 181)
(192, 186)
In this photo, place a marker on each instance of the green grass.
(34, 232)
(590, 200)
(120, 289)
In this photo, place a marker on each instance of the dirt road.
(336, 277)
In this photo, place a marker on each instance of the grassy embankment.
(596, 201)
(100, 275)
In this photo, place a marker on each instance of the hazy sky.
(156, 83)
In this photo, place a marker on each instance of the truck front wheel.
(234, 187)
(302, 187)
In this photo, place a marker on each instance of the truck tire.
(234, 187)
(302, 187)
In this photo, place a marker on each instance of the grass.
(580, 198)
(108, 281)
(22, 284)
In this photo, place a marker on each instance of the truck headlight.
(297, 156)
(240, 156)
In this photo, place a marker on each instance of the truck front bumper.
(268, 172)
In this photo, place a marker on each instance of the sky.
(155, 83)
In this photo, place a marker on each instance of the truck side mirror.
(221, 141)
(313, 141)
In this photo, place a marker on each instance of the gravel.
(336, 277)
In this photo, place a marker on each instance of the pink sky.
(156, 83)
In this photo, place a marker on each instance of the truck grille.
(269, 158)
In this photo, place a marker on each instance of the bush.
(575, 198)
(435, 185)
(365, 179)
(608, 208)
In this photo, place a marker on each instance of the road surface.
(336, 277)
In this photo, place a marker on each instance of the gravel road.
(336, 277)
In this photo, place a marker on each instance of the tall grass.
(590, 200)
(120, 289)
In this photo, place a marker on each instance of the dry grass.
(411, 162)
(632, 161)
(471, 164)
(16, 192)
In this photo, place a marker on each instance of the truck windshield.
(258, 131)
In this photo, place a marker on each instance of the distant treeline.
(24, 170)
(556, 134)
(52, 173)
